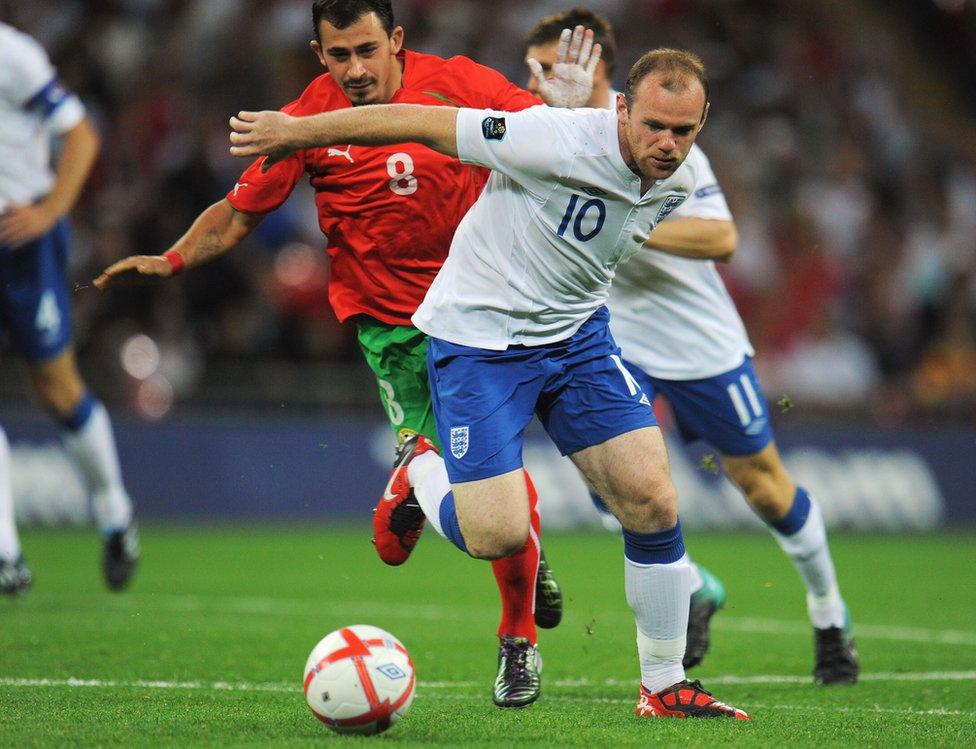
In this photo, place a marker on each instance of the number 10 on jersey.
(581, 213)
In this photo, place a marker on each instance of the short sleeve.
(30, 82)
(531, 144)
(263, 192)
(706, 199)
(26, 69)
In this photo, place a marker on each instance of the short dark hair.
(550, 27)
(344, 13)
(676, 65)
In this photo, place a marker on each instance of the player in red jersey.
(389, 214)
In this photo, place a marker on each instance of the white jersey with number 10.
(535, 255)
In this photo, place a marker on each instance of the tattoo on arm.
(209, 247)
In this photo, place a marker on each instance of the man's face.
(661, 126)
(362, 58)
(546, 55)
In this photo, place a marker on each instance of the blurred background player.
(15, 576)
(389, 214)
(682, 338)
(35, 303)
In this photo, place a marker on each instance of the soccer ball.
(359, 679)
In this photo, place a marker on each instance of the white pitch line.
(753, 707)
(440, 613)
(453, 695)
(872, 709)
(877, 676)
(892, 676)
(220, 686)
(239, 686)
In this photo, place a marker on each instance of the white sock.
(811, 556)
(659, 595)
(428, 477)
(9, 542)
(92, 448)
(697, 582)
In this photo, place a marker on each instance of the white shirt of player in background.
(672, 316)
(535, 255)
(34, 107)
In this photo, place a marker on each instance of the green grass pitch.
(207, 647)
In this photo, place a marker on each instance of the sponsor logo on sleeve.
(493, 128)
(704, 192)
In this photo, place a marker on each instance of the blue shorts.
(727, 411)
(483, 400)
(35, 307)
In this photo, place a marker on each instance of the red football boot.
(686, 699)
(398, 519)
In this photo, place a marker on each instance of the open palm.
(571, 81)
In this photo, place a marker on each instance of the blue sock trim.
(664, 547)
(81, 414)
(449, 522)
(599, 504)
(796, 518)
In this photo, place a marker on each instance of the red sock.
(515, 576)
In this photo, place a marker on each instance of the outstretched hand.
(133, 270)
(265, 134)
(571, 82)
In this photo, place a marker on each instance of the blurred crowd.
(848, 157)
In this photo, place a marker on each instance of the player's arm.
(696, 238)
(216, 230)
(276, 134)
(22, 224)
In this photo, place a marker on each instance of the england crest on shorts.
(670, 203)
(459, 442)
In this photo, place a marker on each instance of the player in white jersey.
(682, 338)
(517, 326)
(707, 591)
(35, 305)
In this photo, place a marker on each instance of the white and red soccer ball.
(359, 679)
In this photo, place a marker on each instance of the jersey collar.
(613, 149)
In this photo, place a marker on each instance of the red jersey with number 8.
(388, 212)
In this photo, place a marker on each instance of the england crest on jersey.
(670, 203)
(459, 442)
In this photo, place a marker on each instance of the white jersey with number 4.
(534, 256)
(673, 316)
(33, 108)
